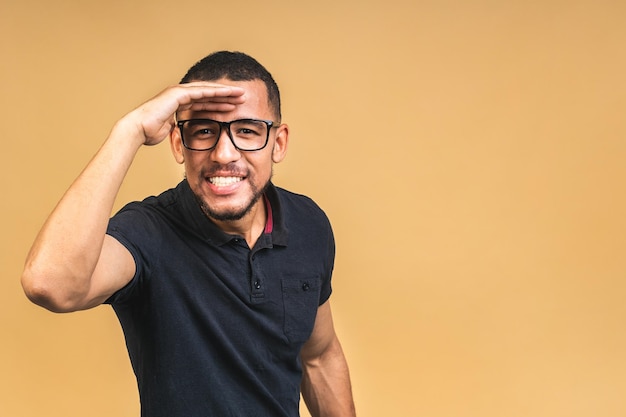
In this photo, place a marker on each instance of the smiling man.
(221, 284)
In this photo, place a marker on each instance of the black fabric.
(212, 327)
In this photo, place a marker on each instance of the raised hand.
(155, 119)
(73, 264)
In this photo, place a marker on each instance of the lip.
(227, 187)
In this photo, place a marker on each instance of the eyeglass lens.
(246, 134)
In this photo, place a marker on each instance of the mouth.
(224, 181)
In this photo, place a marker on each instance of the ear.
(176, 144)
(280, 143)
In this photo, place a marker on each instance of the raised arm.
(326, 386)
(73, 264)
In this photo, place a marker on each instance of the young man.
(221, 284)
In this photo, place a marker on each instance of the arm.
(73, 264)
(326, 381)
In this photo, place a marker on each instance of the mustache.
(229, 170)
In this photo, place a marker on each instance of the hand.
(155, 119)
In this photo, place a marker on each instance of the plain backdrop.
(470, 155)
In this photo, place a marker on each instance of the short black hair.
(235, 66)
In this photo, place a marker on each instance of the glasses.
(245, 134)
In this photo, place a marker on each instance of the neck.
(250, 226)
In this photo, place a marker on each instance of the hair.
(235, 66)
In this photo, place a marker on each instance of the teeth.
(224, 181)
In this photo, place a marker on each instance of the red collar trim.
(269, 225)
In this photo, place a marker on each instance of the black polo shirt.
(214, 328)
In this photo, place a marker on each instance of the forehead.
(256, 104)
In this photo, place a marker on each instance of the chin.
(229, 214)
(232, 212)
(226, 216)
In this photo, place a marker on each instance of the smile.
(224, 181)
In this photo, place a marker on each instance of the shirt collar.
(275, 229)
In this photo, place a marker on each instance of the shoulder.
(145, 220)
(302, 218)
(168, 201)
(294, 204)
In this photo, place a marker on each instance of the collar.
(275, 232)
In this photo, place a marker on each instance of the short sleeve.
(326, 288)
(133, 228)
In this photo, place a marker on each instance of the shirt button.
(257, 285)
(305, 286)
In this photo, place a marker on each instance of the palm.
(157, 116)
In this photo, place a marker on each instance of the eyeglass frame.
(222, 125)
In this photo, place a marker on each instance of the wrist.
(127, 133)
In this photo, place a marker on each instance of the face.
(226, 181)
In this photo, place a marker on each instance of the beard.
(235, 213)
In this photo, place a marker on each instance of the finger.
(226, 99)
(210, 99)
(209, 106)
(209, 84)
(200, 90)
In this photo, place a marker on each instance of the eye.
(199, 129)
(203, 132)
(249, 128)
(246, 131)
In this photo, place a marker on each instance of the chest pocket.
(301, 300)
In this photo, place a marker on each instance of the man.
(221, 284)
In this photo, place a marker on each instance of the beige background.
(470, 154)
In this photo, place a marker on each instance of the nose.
(225, 151)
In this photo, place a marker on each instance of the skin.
(68, 271)
(253, 168)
